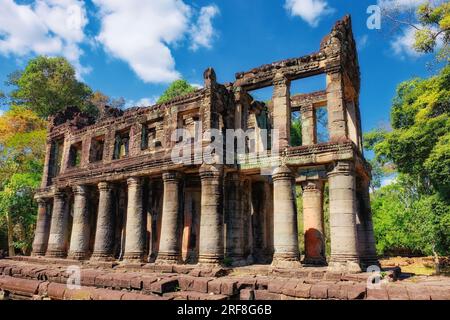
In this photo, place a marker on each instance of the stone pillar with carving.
(57, 241)
(368, 253)
(281, 100)
(344, 247)
(313, 226)
(337, 121)
(234, 220)
(105, 232)
(286, 251)
(308, 125)
(135, 226)
(211, 246)
(169, 245)
(79, 242)
(42, 228)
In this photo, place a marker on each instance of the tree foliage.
(48, 85)
(176, 89)
(22, 150)
(414, 212)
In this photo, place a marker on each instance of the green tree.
(414, 212)
(48, 85)
(176, 89)
(435, 26)
(430, 22)
(22, 149)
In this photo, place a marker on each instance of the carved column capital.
(134, 182)
(280, 80)
(210, 171)
(105, 186)
(80, 190)
(341, 167)
(312, 186)
(282, 173)
(172, 176)
(41, 202)
(59, 194)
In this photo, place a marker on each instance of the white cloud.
(143, 102)
(48, 27)
(362, 42)
(141, 33)
(400, 5)
(309, 10)
(402, 45)
(203, 32)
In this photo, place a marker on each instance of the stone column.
(211, 248)
(42, 229)
(57, 241)
(285, 219)
(169, 245)
(308, 125)
(337, 124)
(344, 248)
(313, 222)
(234, 220)
(369, 253)
(79, 242)
(282, 110)
(135, 226)
(105, 232)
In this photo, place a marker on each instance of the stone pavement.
(47, 279)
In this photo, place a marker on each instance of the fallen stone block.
(165, 285)
(266, 295)
(303, 290)
(186, 282)
(21, 286)
(397, 292)
(319, 291)
(416, 292)
(55, 291)
(201, 284)
(107, 294)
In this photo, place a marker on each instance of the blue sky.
(133, 49)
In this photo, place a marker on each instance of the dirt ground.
(418, 265)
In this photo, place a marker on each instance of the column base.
(210, 259)
(100, 256)
(168, 258)
(56, 254)
(38, 253)
(78, 255)
(133, 257)
(341, 264)
(286, 260)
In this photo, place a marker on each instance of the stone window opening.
(75, 155)
(97, 146)
(321, 124)
(55, 159)
(121, 144)
(296, 129)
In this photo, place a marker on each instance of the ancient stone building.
(111, 190)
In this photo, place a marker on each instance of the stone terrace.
(38, 279)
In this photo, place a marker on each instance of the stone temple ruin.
(110, 191)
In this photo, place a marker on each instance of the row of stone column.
(52, 230)
(351, 229)
(351, 235)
